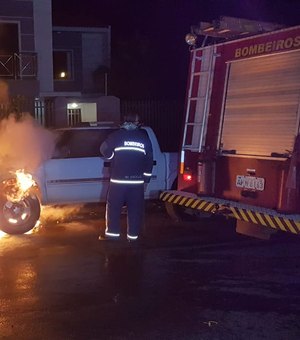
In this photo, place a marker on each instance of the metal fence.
(17, 105)
(44, 112)
(18, 66)
(74, 116)
(39, 111)
(165, 117)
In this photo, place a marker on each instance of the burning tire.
(19, 217)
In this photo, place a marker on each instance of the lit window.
(73, 106)
(62, 65)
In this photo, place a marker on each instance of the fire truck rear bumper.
(242, 212)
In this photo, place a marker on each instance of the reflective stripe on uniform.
(111, 156)
(130, 237)
(129, 148)
(121, 181)
(112, 234)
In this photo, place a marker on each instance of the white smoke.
(24, 143)
(59, 213)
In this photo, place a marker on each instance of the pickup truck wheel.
(182, 214)
(19, 217)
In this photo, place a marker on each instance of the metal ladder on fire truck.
(199, 92)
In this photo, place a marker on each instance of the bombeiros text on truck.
(240, 149)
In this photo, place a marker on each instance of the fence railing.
(18, 66)
(74, 116)
(164, 116)
(16, 105)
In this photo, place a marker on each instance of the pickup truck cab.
(77, 173)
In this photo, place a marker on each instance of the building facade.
(58, 74)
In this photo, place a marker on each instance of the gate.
(74, 116)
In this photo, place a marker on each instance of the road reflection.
(125, 272)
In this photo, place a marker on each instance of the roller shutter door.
(262, 105)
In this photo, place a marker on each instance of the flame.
(15, 190)
(18, 187)
(24, 181)
(2, 234)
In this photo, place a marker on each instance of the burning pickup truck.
(75, 174)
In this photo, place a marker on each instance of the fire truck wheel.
(19, 217)
(182, 214)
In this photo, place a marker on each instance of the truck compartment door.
(261, 109)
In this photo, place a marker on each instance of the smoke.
(58, 214)
(4, 93)
(24, 143)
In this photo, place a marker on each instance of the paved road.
(184, 283)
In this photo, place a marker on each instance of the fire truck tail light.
(187, 176)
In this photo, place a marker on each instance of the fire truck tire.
(19, 217)
(181, 214)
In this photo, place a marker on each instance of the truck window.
(80, 143)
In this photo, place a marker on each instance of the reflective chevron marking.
(271, 219)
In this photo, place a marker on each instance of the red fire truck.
(240, 150)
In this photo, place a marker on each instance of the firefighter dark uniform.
(130, 152)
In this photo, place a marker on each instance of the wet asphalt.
(184, 281)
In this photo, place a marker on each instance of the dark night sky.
(149, 54)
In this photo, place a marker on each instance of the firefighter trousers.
(131, 196)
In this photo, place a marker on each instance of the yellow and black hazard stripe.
(267, 220)
(271, 220)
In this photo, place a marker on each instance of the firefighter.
(130, 151)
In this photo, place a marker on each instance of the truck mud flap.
(253, 215)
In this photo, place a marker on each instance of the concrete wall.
(95, 58)
(43, 43)
(60, 112)
(69, 41)
(108, 109)
(90, 49)
(21, 13)
(34, 19)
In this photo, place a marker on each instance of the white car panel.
(76, 180)
(78, 174)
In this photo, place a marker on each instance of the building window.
(9, 38)
(62, 65)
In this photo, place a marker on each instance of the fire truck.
(240, 142)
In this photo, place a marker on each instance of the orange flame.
(18, 187)
(2, 234)
(24, 181)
